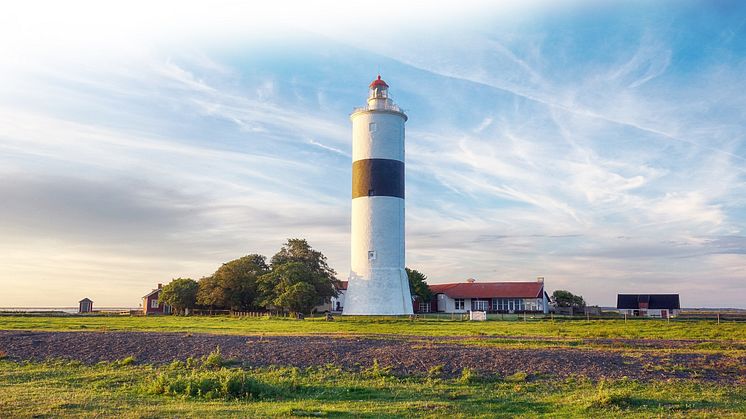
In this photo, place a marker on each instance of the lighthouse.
(378, 283)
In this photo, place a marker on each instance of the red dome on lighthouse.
(378, 83)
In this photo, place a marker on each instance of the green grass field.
(210, 388)
(113, 389)
(613, 328)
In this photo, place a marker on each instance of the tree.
(563, 298)
(233, 285)
(292, 287)
(417, 285)
(180, 293)
(210, 293)
(298, 250)
(297, 263)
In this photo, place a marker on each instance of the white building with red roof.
(334, 304)
(492, 297)
(338, 302)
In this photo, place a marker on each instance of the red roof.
(152, 292)
(378, 83)
(490, 289)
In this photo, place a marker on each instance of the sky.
(601, 145)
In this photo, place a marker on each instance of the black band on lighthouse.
(377, 177)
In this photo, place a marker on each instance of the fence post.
(718, 317)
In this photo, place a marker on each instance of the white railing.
(385, 107)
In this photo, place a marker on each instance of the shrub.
(192, 362)
(221, 384)
(214, 359)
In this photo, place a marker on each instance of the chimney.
(471, 280)
(160, 286)
(540, 279)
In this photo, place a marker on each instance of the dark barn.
(649, 305)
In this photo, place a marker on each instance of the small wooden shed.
(85, 306)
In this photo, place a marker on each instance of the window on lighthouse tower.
(379, 92)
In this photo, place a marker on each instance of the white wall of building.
(340, 298)
(653, 312)
(447, 304)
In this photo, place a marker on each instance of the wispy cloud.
(605, 157)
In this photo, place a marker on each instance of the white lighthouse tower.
(378, 283)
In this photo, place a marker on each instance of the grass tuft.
(127, 361)
(228, 384)
(518, 377)
(214, 359)
(468, 376)
(608, 399)
(376, 371)
(435, 372)
(605, 398)
(309, 413)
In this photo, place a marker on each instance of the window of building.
(424, 307)
(459, 303)
(372, 127)
(154, 303)
(500, 304)
(371, 255)
(479, 305)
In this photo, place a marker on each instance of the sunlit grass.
(569, 329)
(215, 387)
(116, 389)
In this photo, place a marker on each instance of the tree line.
(296, 279)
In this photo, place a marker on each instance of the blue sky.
(600, 145)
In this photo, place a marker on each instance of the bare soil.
(595, 359)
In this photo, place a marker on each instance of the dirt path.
(405, 355)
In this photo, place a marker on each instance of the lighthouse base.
(382, 292)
